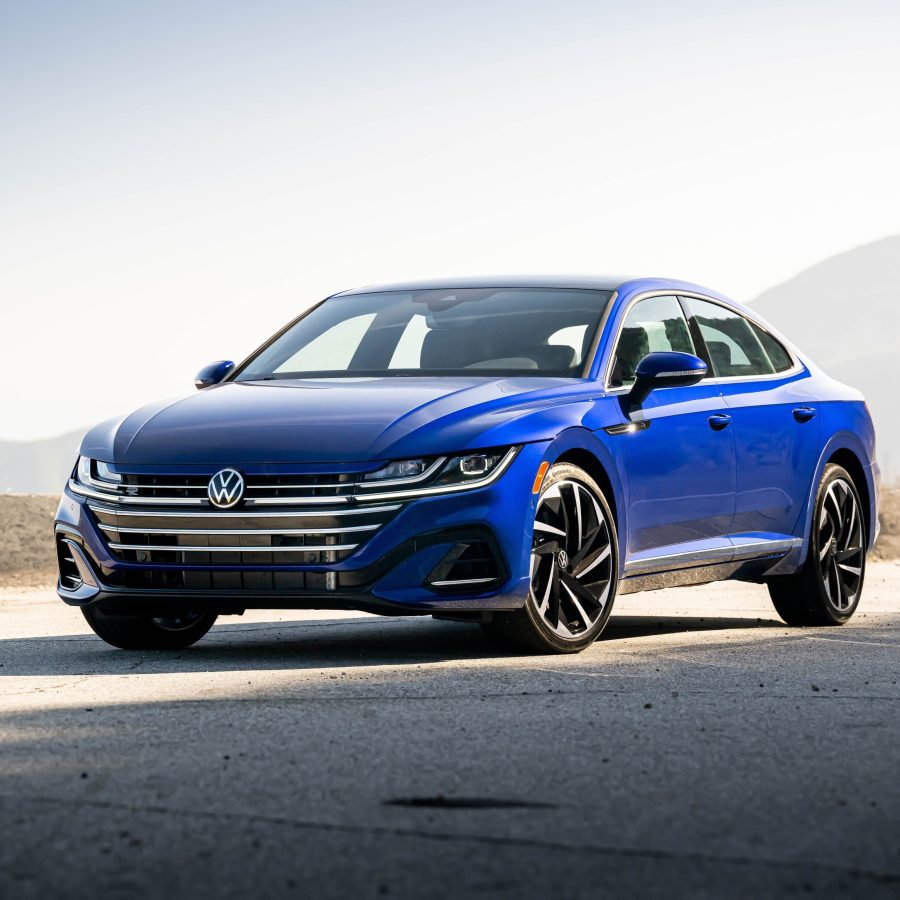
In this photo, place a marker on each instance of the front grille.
(260, 490)
(282, 520)
(240, 537)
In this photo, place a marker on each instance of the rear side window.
(656, 323)
(778, 356)
(734, 348)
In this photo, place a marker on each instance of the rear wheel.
(827, 589)
(574, 566)
(173, 632)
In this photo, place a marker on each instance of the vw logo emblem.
(563, 559)
(226, 488)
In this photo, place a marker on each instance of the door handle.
(804, 413)
(719, 421)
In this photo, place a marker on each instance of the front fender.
(578, 440)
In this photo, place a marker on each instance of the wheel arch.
(846, 450)
(586, 460)
(848, 460)
(582, 448)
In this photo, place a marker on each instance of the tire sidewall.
(568, 472)
(832, 474)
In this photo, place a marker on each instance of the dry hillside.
(26, 521)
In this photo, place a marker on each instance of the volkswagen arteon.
(511, 452)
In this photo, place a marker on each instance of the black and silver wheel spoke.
(571, 559)
(841, 549)
(179, 621)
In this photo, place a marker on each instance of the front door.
(681, 463)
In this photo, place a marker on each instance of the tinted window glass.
(778, 356)
(489, 331)
(656, 323)
(734, 348)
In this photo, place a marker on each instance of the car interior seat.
(634, 345)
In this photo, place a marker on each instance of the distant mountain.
(845, 313)
(38, 467)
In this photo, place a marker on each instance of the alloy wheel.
(179, 622)
(841, 545)
(571, 559)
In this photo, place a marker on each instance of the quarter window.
(651, 325)
(734, 347)
(778, 356)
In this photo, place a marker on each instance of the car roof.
(582, 282)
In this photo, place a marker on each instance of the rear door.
(775, 420)
(681, 462)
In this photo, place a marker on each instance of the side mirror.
(212, 374)
(665, 369)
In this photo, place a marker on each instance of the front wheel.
(827, 589)
(174, 632)
(574, 568)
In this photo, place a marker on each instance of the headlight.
(424, 474)
(472, 467)
(90, 472)
(83, 470)
(402, 470)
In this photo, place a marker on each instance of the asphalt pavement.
(701, 749)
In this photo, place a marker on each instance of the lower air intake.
(469, 567)
(69, 576)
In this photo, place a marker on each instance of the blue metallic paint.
(679, 487)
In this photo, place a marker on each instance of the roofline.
(560, 282)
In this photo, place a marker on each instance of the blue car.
(511, 452)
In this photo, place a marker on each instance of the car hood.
(346, 420)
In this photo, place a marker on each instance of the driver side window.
(653, 324)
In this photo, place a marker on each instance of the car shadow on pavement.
(319, 644)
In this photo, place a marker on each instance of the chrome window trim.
(589, 358)
(797, 365)
(645, 295)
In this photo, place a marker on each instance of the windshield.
(471, 331)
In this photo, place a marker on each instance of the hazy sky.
(178, 180)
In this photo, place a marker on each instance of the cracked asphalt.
(701, 749)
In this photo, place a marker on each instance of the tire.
(574, 569)
(827, 589)
(148, 633)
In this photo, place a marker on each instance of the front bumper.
(387, 574)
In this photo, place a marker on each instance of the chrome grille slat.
(314, 521)
(281, 514)
(290, 532)
(296, 501)
(184, 548)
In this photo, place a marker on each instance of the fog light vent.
(69, 576)
(468, 567)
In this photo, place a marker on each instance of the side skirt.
(753, 570)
